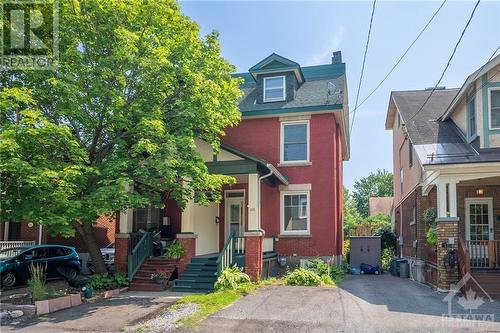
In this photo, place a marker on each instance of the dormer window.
(274, 89)
(495, 108)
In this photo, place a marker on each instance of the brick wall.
(253, 257)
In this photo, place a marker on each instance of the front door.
(479, 228)
(234, 215)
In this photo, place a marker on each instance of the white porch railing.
(484, 254)
(10, 244)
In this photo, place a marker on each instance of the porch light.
(480, 191)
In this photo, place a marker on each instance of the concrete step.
(194, 284)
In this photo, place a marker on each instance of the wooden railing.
(269, 244)
(463, 257)
(142, 250)
(484, 254)
(239, 245)
(11, 244)
(226, 256)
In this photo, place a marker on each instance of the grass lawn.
(211, 303)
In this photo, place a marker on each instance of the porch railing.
(484, 254)
(226, 256)
(239, 245)
(269, 244)
(11, 244)
(463, 257)
(142, 250)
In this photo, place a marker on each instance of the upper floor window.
(495, 108)
(274, 89)
(295, 141)
(471, 118)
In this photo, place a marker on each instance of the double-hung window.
(295, 213)
(471, 118)
(295, 141)
(495, 108)
(274, 89)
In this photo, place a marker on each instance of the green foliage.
(318, 266)
(430, 215)
(351, 215)
(106, 282)
(230, 278)
(431, 235)
(377, 184)
(36, 282)
(135, 87)
(176, 250)
(302, 277)
(327, 280)
(388, 238)
(159, 276)
(386, 259)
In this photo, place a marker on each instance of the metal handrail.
(142, 250)
(11, 244)
(226, 256)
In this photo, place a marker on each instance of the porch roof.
(248, 164)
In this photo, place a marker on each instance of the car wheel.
(8, 279)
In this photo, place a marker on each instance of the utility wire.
(363, 66)
(402, 56)
(449, 61)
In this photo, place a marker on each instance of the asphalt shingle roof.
(324, 85)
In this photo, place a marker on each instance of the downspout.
(258, 192)
(40, 230)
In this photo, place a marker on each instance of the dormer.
(277, 78)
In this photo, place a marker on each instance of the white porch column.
(187, 218)
(126, 221)
(452, 193)
(441, 199)
(253, 202)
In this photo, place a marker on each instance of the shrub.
(159, 276)
(431, 235)
(327, 280)
(36, 282)
(386, 259)
(430, 215)
(121, 279)
(175, 251)
(231, 278)
(388, 238)
(302, 277)
(105, 282)
(318, 266)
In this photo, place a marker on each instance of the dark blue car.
(15, 263)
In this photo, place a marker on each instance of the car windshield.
(11, 253)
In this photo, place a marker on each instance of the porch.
(468, 221)
(216, 236)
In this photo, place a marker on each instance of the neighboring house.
(380, 205)
(286, 156)
(447, 158)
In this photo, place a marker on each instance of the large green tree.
(378, 184)
(136, 85)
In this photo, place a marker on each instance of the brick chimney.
(337, 57)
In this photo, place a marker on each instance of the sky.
(308, 32)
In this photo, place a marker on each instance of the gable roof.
(435, 141)
(470, 80)
(276, 63)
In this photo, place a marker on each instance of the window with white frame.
(471, 118)
(295, 141)
(495, 109)
(274, 89)
(413, 217)
(295, 213)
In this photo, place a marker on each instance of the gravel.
(166, 322)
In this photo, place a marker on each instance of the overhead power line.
(363, 66)
(449, 61)
(402, 56)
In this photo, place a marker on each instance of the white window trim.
(227, 202)
(490, 108)
(468, 112)
(413, 217)
(282, 213)
(282, 141)
(275, 99)
(491, 221)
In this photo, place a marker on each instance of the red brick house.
(447, 160)
(286, 155)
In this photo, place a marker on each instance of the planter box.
(56, 304)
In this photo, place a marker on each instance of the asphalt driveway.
(362, 304)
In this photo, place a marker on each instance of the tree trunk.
(85, 230)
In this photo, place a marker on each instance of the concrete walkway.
(362, 304)
(107, 315)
